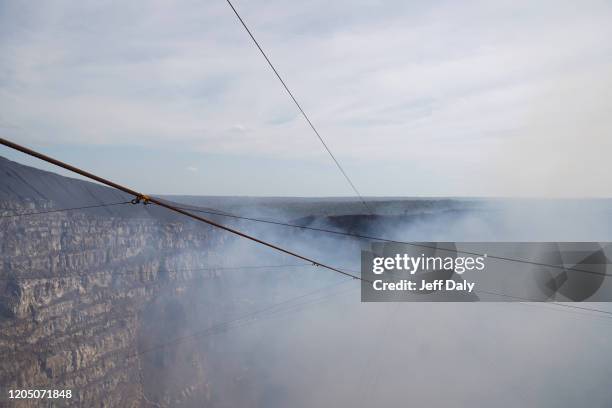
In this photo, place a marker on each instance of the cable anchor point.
(141, 198)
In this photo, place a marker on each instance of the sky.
(429, 98)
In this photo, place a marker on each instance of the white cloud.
(380, 80)
(239, 128)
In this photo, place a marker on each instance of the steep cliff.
(85, 294)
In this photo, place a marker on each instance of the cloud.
(239, 128)
(563, 149)
(437, 85)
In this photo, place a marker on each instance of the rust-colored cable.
(147, 199)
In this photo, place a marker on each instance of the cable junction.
(141, 198)
(147, 199)
(144, 199)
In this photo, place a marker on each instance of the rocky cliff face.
(86, 297)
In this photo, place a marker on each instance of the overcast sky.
(414, 98)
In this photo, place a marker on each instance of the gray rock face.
(84, 294)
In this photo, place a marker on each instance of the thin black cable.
(537, 302)
(112, 274)
(249, 315)
(25, 214)
(222, 326)
(219, 327)
(145, 199)
(251, 318)
(299, 107)
(271, 310)
(162, 203)
(274, 222)
(374, 238)
(64, 276)
(561, 304)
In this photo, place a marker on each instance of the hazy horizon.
(40, 165)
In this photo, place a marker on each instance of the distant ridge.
(25, 184)
(20, 183)
(28, 185)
